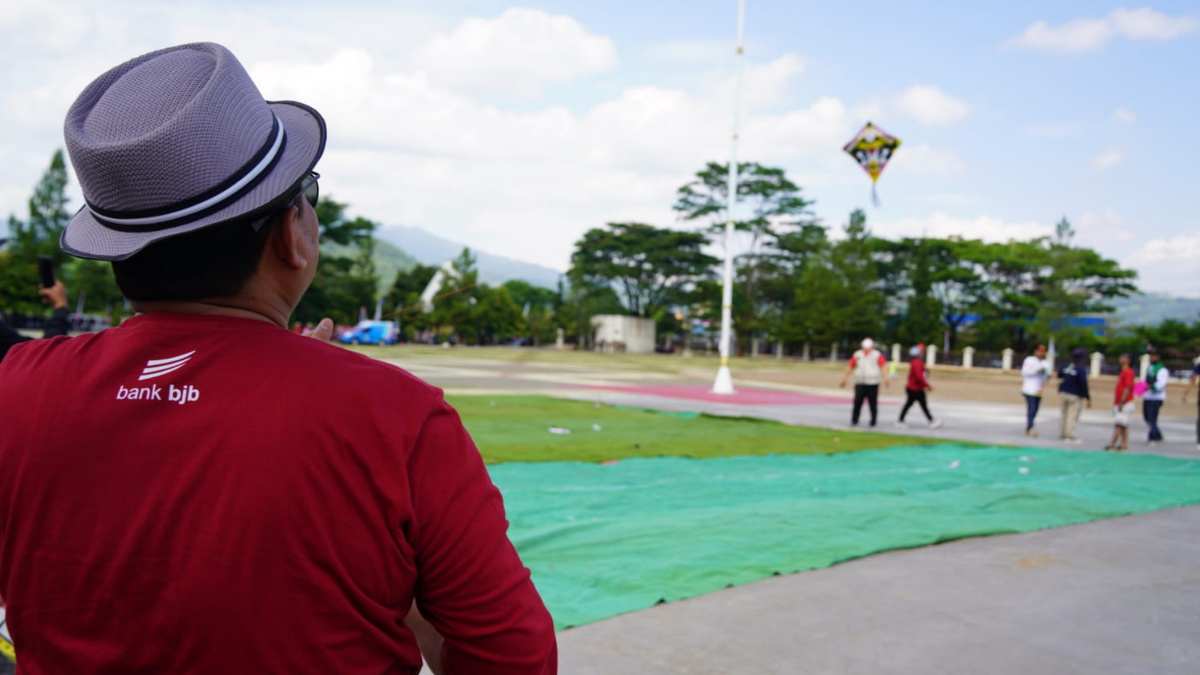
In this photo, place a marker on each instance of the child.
(1123, 407)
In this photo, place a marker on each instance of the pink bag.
(1140, 388)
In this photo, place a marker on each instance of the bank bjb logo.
(156, 368)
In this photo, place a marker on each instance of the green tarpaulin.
(606, 539)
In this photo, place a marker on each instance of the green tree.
(37, 235)
(651, 268)
(95, 289)
(582, 300)
(402, 302)
(343, 285)
(912, 269)
(778, 214)
(494, 317)
(862, 304)
(538, 308)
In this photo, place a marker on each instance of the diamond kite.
(872, 148)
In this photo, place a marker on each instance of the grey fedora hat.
(177, 140)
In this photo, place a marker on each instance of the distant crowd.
(869, 369)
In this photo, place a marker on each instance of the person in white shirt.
(1157, 377)
(1035, 370)
(869, 368)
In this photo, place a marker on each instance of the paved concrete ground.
(1115, 596)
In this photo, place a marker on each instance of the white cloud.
(1107, 159)
(1105, 225)
(923, 159)
(1090, 34)
(1125, 115)
(521, 50)
(768, 83)
(501, 178)
(1077, 35)
(1181, 249)
(929, 105)
(1144, 23)
(1169, 264)
(941, 224)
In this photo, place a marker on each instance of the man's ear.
(288, 239)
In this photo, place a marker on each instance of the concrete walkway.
(980, 422)
(1115, 596)
(998, 423)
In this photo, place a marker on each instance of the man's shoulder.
(348, 367)
(32, 355)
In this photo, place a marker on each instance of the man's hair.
(212, 262)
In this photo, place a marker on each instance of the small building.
(618, 333)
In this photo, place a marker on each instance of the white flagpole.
(724, 382)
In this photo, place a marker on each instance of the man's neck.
(217, 307)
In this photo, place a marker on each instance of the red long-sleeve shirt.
(916, 375)
(192, 494)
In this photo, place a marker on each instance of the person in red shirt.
(915, 388)
(202, 491)
(1123, 406)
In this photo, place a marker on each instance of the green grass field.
(517, 429)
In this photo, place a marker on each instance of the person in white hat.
(868, 367)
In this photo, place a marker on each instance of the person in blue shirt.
(1073, 389)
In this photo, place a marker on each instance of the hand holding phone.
(46, 271)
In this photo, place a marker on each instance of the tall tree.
(912, 271)
(776, 211)
(862, 307)
(650, 267)
(37, 235)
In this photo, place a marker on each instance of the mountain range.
(1152, 308)
(432, 249)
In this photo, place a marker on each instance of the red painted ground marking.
(744, 396)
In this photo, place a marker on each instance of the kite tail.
(874, 194)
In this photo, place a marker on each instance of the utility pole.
(724, 382)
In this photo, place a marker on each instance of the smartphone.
(46, 271)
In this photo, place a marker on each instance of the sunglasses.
(310, 188)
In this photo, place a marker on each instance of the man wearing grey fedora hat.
(200, 490)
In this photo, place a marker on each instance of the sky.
(515, 128)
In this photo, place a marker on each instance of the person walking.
(1194, 384)
(1035, 371)
(869, 369)
(917, 385)
(1123, 406)
(200, 490)
(1073, 389)
(1157, 377)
